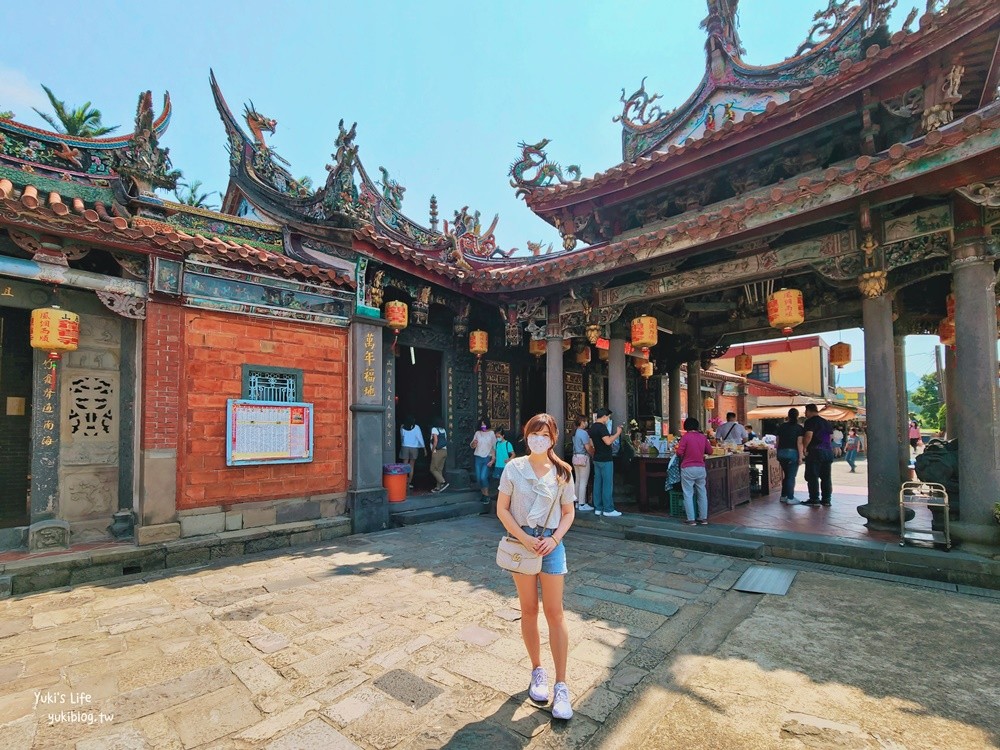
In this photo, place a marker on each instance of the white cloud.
(19, 94)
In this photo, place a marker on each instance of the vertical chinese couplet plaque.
(268, 432)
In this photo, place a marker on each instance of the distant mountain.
(857, 379)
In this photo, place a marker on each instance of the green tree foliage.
(189, 195)
(83, 121)
(927, 397)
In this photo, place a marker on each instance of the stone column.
(367, 498)
(977, 426)
(555, 390)
(903, 421)
(674, 407)
(882, 449)
(46, 531)
(951, 410)
(617, 396)
(695, 407)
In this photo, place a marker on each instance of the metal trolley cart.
(923, 495)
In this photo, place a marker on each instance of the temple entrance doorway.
(533, 400)
(15, 416)
(419, 397)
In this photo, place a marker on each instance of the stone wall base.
(72, 568)
(214, 519)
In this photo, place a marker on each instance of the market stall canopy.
(832, 412)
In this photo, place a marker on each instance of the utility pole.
(940, 374)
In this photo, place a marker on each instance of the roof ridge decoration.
(534, 170)
(730, 88)
(142, 160)
(86, 160)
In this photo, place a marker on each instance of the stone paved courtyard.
(410, 639)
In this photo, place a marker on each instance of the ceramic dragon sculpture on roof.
(533, 170)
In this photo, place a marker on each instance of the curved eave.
(92, 144)
(890, 174)
(936, 32)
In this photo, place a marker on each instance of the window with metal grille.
(272, 383)
(761, 372)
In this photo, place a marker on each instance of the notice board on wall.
(268, 432)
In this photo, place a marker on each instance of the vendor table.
(727, 481)
(766, 460)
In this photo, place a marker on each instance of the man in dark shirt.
(604, 504)
(819, 457)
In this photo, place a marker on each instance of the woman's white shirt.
(485, 440)
(531, 498)
(412, 438)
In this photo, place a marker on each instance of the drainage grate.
(759, 579)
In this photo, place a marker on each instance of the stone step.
(703, 542)
(438, 513)
(433, 500)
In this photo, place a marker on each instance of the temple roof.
(848, 50)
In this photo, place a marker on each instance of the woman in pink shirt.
(691, 450)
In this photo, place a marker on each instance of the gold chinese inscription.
(368, 375)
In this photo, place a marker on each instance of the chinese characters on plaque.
(268, 432)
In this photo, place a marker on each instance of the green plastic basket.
(677, 504)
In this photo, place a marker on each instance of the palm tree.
(83, 122)
(191, 197)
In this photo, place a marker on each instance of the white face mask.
(539, 443)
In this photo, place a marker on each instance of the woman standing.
(439, 453)
(583, 449)
(851, 448)
(535, 505)
(483, 445)
(791, 452)
(412, 441)
(691, 450)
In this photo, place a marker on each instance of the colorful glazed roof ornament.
(533, 170)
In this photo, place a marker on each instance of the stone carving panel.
(575, 400)
(88, 493)
(91, 415)
(498, 390)
(100, 332)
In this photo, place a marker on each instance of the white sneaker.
(611, 514)
(585, 506)
(538, 691)
(561, 708)
(598, 513)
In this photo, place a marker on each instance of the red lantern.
(946, 331)
(479, 344)
(603, 354)
(644, 332)
(646, 370)
(537, 347)
(744, 364)
(840, 354)
(785, 310)
(583, 354)
(709, 403)
(398, 316)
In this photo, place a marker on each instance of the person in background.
(851, 448)
(535, 505)
(483, 446)
(583, 449)
(791, 452)
(751, 435)
(914, 436)
(412, 442)
(439, 453)
(837, 441)
(819, 457)
(691, 450)
(604, 469)
(731, 431)
(504, 451)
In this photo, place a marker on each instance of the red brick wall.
(726, 404)
(162, 365)
(216, 346)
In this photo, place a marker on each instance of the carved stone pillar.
(977, 423)
(903, 419)
(674, 408)
(617, 394)
(555, 391)
(882, 508)
(367, 498)
(694, 399)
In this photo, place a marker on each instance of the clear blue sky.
(442, 91)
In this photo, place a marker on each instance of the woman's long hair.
(546, 422)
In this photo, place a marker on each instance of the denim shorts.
(553, 563)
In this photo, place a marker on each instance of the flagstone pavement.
(410, 639)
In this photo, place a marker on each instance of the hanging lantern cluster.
(398, 316)
(785, 310)
(479, 344)
(840, 354)
(709, 403)
(644, 333)
(536, 347)
(646, 370)
(744, 363)
(583, 354)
